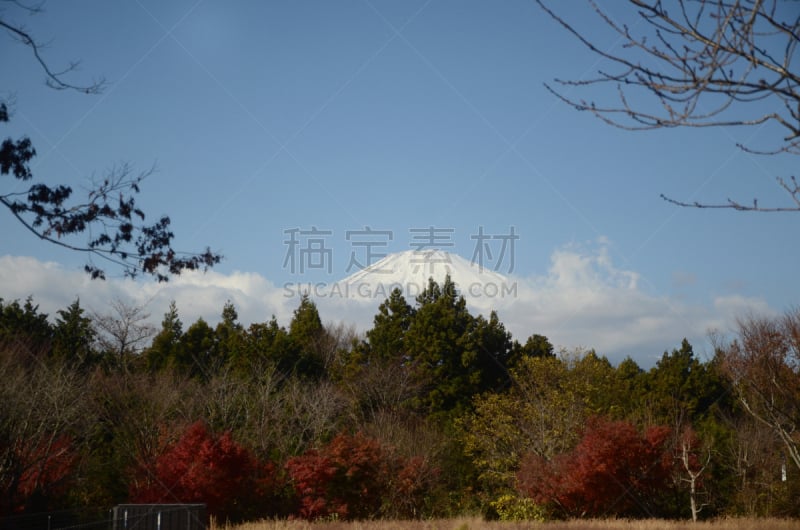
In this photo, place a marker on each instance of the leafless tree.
(280, 417)
(123, 332)
(311, 412)
(763, 364)
(143, 413)
(41, 414)
(755, 456)
(337, 337)
(225, 400)
(264, 412)
(378, 389)
(424, 445)
(694, 459)
(699, 63)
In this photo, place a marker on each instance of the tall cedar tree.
(24, 326)
(386, 339)
(73, 338)
(230, 335)
(453, 355)
(306, 333)
(265, 345)
(198, 351)
(163, 351)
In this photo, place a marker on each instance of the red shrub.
(347, 478)
(312, 475)
(214, 470)
(412, 480)
(614, 470)
(44, 471)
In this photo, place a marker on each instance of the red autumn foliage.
(347, 478)
(312, 475)
(413, 478)
(614, 470)
(214, 470)
(43, 472)
(355, 477)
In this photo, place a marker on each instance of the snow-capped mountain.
(411, 270)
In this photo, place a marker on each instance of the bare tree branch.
(124, 332)
(697, 64)
(764, 366)
(54, 79)
(109, 214)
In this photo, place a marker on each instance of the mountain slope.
(411, 270)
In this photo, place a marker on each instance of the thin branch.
(53, 79)
(699, 62)
(792, 189)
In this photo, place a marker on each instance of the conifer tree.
(306, 333)
(386, 339)
(73, 338)
(163, 351)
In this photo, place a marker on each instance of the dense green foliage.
(432, 412)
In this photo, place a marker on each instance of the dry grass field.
(479, 524)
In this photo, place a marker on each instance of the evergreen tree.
(536, 346)
(265, 345)
(596, 378)
(229, 334)
(629, 389)
(436, 344)
(491, 351)
(680, 389)
(24, 325)
(384, 347)
(73, 338)
(198, 351)
(685, 394)
(163, 351)
(306, 333)
(386, 339)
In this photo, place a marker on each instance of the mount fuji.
(411, 270)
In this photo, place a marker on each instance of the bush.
(214, 470)
(514, 508)
(614, 471)
(355, 477)
(346, 479)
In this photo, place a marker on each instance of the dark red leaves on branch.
(614, 471)
(37, 473)
(205, 468)
(108, 214)
(355, 477)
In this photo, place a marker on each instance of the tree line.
(433, 411)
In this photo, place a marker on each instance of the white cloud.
(583, 299)
(196, 294)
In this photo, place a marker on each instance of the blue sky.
(261, 117)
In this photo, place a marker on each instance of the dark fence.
(42, 521)
(122, 517)
(159, 517)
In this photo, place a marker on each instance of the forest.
(433, 412)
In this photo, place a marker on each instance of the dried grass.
(479, 524)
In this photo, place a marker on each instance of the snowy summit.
(411, 270)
